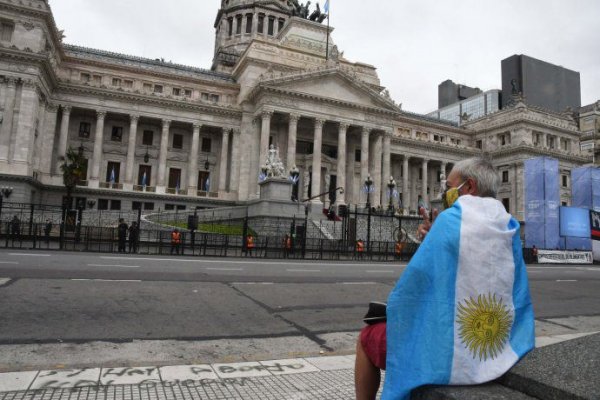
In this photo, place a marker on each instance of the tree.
(73, 169)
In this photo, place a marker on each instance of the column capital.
(294, 118)
(101, 114)
(388, 133)
(319, 122)
(10, 81)
(344, 125)
(197, 125)
(425, 161)
(52, 107)
(166, 123)
(236, 131)
(266, 114)
(134, 118)
(227, 131)
(65, 108)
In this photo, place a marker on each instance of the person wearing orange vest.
(360, 248)
(287, 246)
(398, 249)
(175, 240)
(249, 245)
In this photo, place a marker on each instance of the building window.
(113, 170)
(147, 138)
(357, 154)
(175, 178)
(117, 134)
(84, 77)
(169, 207)
(238, 22)
(7, 31)
(204, 96)
(148, 206)
(180, 207)
(550, 140)
(147, 87)
(281, 22)
(136, 205)
(97, 80)
(176, 92)
(158, 89)
(564, 144)
(206, 145)
(506, 204)
(128, 84)
(214, 98)
(116, 82)
(271, 27)
(261, 23)
(188, 92)
(504, 176)
(565, 181)
(147, 171)
(230, 26)
(479, 144)
(102, 204)
(177, 141)
(204, 181)
(248, 23)
(84, 129)
(420, 174)
(115, 204)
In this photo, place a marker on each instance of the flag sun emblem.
(484, 325)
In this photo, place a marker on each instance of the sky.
(414, 44)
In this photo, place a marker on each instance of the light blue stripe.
(420, 334)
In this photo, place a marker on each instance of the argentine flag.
(461, 312)
(326, 7)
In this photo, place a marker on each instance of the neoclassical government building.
(158, 135)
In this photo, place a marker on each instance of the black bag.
(376, 313)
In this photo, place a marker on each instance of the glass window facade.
(475, 107)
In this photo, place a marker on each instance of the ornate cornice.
(406, 142)
(536, 151)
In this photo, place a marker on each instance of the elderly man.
(461, 312)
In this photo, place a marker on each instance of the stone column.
(97, 153)
(265, 131)
(405, 190)
(224, 161)
(64, 136)
(377, 180)
(128, 184)
(48, 139)
(341, 163)
(424, 183)
(387, 161)
(316, 164)
(7, 123)
(364, 156)
(193, 169)
(349, 189)
(291, 147)
(234, 179)
(161, 186)
(414, 175)
(24, 132)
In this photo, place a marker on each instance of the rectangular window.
(97, 79)
(116, 82)
(147, 138)
(214, 98)
(136, 205)
(176, 92)
(128, 84)
(113, 170)
(206, 145)
(147, 87)
(115, 204)
(102, 204)
(238, 22)
(177, 141)
(357, 154)
(180, 207)
(188, 92)
(248, 23)
(565, 181)
(148, 206)
(84, 129)
(230, 26)
(158, 89)
(420, 174)
(203, 181)
(504, 176)
(281, 22)
(7, 31)
(174, 178)
(117, 134)
(261, 23)
(84, 77)
(147, 171)
(479, 144)
(271, 27)
(506, 204)
(204, 96)
(169, 207)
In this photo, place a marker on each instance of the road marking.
(114, 265)
(380, 272)
(566, 280)
(4, 281)
(357, 283)
(303, 270)
(8, 262)
(252, 283)
(29, 254)
(107, 280)
(225, 269)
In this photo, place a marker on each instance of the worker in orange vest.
(249, 245)
(175, 240)
(360, 248)
(398, 249)
(287, 246)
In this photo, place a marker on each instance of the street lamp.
(146, 156)
(391, 186)
(368, 187)
(294, 174)
(91, 203)
(5, 191)
(206, 164)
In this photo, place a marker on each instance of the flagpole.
(327, 45)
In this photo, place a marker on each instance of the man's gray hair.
(481, 171)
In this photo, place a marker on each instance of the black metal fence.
(211, 233)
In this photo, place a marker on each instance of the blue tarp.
(542, 200)
(585, 193)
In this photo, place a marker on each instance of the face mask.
(451, 195)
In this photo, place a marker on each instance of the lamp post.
(391, 186)
(147, 155)
(91, 204)
(294, 174)
(368, 187)
(5, 191)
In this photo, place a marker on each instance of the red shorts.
(374, 342)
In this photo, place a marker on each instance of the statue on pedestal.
(273, 167)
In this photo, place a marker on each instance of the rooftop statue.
(302, 10)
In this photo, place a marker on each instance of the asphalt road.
(78, 298)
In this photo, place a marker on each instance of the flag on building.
(461, 313)
(177, 187)
(144, 181)
(207, 185)
(112, 176)
(326, 8)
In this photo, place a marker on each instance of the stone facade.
(201, 136)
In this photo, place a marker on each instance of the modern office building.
(540, 83)
(451, 93)
(476, 106)
(180, 137)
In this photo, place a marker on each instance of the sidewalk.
(329, 377)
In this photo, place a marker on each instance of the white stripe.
(303, 270)
(482, 270)
(8, 262)
(29, 254)
(225, 269)
(379, 271)
(356, 283)
(566, 280)
(106, 280)
(114, 265)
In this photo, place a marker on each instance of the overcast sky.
(414, 44)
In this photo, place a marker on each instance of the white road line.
(252, 283)
(205, 261)
(225, 269)
(380, 272)
(566, 280)
(107, 280)
(8, 262)
(357, 283)
(303, 270)
(29, 254)
(114, 265)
